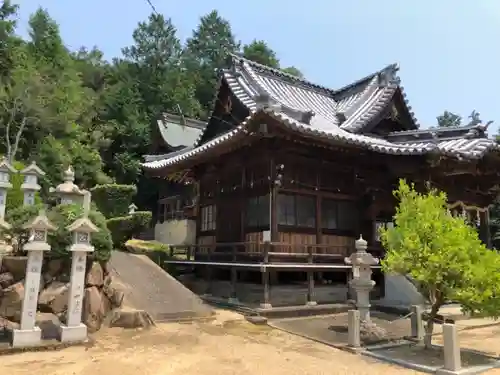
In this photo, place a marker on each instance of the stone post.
(452, 361)
(28, 334)
(82, 228)
(353, 329)
(361, 282)
(417, 325)
(30, 183)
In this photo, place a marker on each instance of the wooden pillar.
(319, 229)
(273, 201)
(310, 278)
(266, 302)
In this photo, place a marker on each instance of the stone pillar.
(5, 170)
(417, 326)
(452, 362)
(30, 183)
(353, 329)
(361, 282)
(82, 228)
(28, 334)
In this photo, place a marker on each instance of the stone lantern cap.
(40, 222)
(132, 208)
(361, 257)
(83, 225)
(31, 170)
(5, 170)
(39, 227)
(68, 187)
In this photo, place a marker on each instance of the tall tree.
(261, 53)
(448, 119)
(205, 52)
(294, 72)
(8, 40)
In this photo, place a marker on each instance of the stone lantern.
(5, 170)
(132, 208)
(362, 282)
(30, 183)
(81, 230)
(68, 192)
(28, 334)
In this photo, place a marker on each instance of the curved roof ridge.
(280, 73)
(391, 67)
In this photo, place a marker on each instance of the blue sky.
(447, 49)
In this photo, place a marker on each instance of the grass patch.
(140, 246)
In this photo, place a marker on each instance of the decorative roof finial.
(69, 175)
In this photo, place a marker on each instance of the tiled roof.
(333, 115)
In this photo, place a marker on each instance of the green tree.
(293, 71)
(441, 253)
(448, 119)
(207, 51)
(261, 53)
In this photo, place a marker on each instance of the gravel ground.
(229, 345)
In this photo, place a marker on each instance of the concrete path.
(148, 287)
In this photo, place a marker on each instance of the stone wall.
(100, 295)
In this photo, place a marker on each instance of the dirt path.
(224, 347)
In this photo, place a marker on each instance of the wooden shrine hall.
(289, 173)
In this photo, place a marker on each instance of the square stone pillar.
(451, 347)
(28, 333)
(82, 228)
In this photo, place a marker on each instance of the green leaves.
(441, 252)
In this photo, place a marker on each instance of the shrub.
(17, 218)
(442, 253)
(124, 228)
(113, 199)
(63, 215)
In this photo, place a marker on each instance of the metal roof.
(336, 115)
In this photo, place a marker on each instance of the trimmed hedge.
(113, 199)
(124, 228)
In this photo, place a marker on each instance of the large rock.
(54, 298)
(126, 318)
(49, 324)
(12, 300)
(6, 280)
(95, 275)
(114, 295)
(7, 324)
(15, 265)
(54, 267)
(95, 308)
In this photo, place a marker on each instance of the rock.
(95, 308)
(116, 298)
(16, 266)
(7, 324)
(95, 275)
(49, 324)
(54, 267)
(47, 278)
(54, 298)
(6, 280)
(125, 318)
(12, 300)
(108, 279)
(371, 333)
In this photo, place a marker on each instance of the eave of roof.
(461, 148)
(178, 131)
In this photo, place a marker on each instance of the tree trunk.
(429, 327)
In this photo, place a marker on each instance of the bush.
(17, 218)
(65, 214)
(124, 228)
(112, 199)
